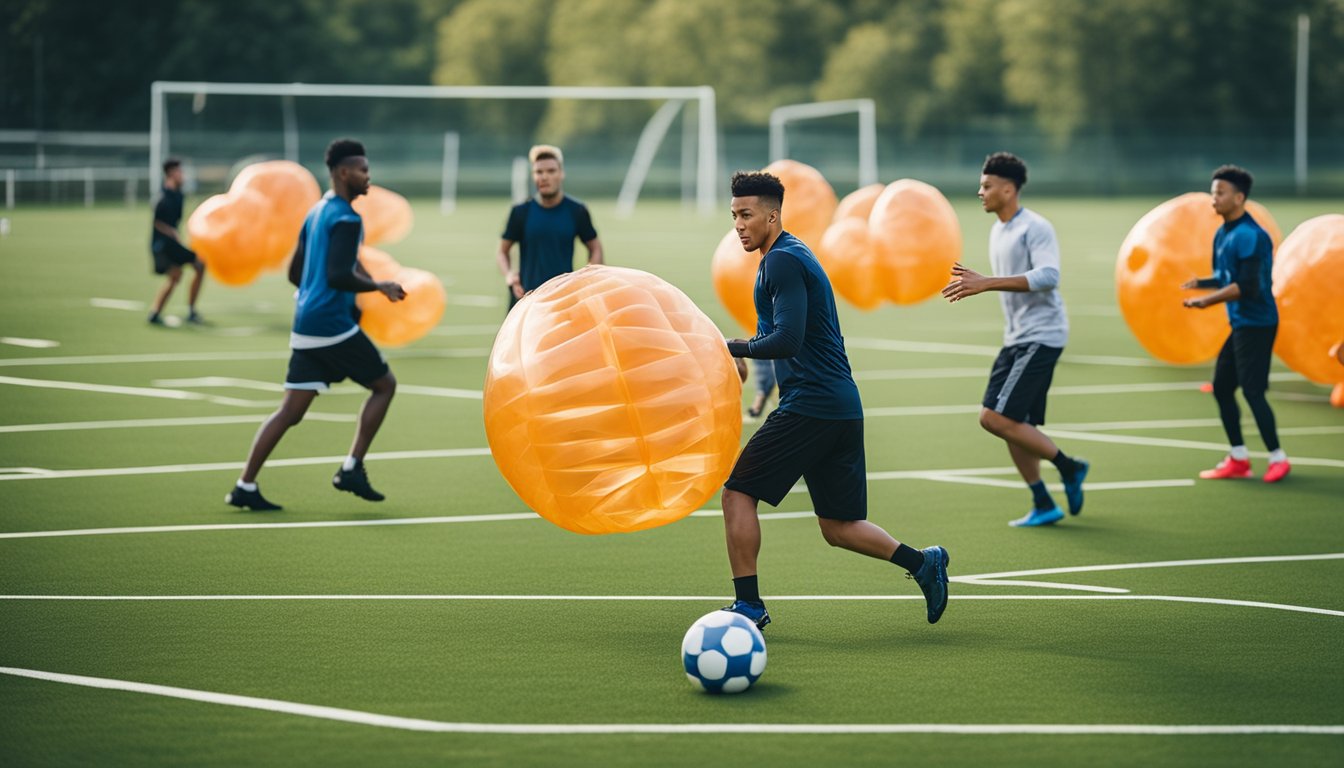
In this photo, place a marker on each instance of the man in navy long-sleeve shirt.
(816, 433)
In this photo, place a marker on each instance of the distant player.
(1024, 254)
(1243, 264)
(816, 433)
(328, 345)
(165, 245)
(545, 228)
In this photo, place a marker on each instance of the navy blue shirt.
(545, 238)
(797, 327)
(1237, 245)
(169, 211)
(321, 311)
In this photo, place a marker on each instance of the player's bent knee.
(832, 531)
(993, 422)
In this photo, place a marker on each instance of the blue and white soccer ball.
(723, 652)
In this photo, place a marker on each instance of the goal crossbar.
(867, 113)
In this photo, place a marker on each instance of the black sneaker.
(356, 481)
(195, 318)
(252, 500)
(754, 611)
(156, 319)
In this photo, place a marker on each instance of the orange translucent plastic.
(291, 191)
(916, 238)
(225, 234)
(734, 273)
(809, 200)
(858, 204)
(850, 262)
(1171, 244)
(378, 264)
(611, 402)
(387, 215)
(396, 324)
(1309, 289)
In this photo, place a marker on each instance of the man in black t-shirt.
(170, 255)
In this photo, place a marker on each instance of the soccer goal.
(780, 118)
(219, 124)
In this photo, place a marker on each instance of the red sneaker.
(1230, 469)
(1277, 471)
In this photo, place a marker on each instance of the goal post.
(706, 161)
(780, 117)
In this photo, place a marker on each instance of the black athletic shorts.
(827, 454)
(1020, 380)
(1245, 359)
(354, 358)
(170, 253)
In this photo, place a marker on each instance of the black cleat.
(252, 500)
(356, 481)
(932, 581)
(156, 319)
(195, 318)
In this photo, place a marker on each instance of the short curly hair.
(340, 150)
(1006, 165)
(760, 184)
(1236, 176)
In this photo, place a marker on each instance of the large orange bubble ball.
(397, 324)
(850, 262)
(1309, 290)
(291, 191)
(378, 264)
(1171, 244)
(611, 402)
(225, 234)
(734, 272)
(387, 215)
(859, 203)
(809, 200)
(916, 237)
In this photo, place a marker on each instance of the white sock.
(249, 487)
(1277, 455)
(1240, 453)
(350, 462)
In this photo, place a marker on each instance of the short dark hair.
(341, 149)
(760, 184)
(1008, 166)
(1236, 176)
(170, 164)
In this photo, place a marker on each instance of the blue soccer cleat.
(1038, 517)
(932, 580)
(1073, 486)
(754, 611)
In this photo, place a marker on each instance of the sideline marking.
(112, 389)
(921, 373)
(185, 421)
(206, 357)
(976, 350)
(270, 386)
(123, 304)
(436, 726)
(1163, 442)
(1153, 564)
(19, 341)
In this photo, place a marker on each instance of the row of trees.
(1070, 65)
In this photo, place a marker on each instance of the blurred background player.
(816, 433)
(765, 386)
(1243, 263)
(1024, 254)
(544, 228)
(165, 245)
(328, 345)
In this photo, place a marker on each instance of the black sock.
(746, 589)
(909, 558)
(1040, 495)
(1064, 464)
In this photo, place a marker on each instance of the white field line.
(473, 300)
(19, 341)
(975, 350)
(921, 373)
(270, 386)
(1249, 426)
(199, 357)
(1041, 584)
(185, 421)
(921, 410)
(1152, 564)
(465, 330)
(1162, 442)
(122, 304)
(783, 729)
(111, 389)
(1161, 386)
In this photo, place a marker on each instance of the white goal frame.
(780, 117)
(707, 154)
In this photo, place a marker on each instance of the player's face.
(548, 176)
(174, 176)
(752, 220)
(995, 192)
(355, 171)
(1226, 197)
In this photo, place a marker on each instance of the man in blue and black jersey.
(816, 433)
(166, 248)
(1243, 268)
(328, 345)
(544, 227)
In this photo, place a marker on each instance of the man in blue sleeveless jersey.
(328, 345)
(816, 433)
(544, 228)
(1243, 267)
(1025, 256)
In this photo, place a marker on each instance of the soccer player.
(170, 255)
(765, 385)
(1024, 254)
(1243, 263)
(544, 228)
(328, 345)
(816, 432)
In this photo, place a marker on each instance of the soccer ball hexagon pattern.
(723, 652)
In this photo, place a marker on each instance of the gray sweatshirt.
(1026, 245)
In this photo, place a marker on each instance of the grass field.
(441, 627)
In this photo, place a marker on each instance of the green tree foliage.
(486, 42)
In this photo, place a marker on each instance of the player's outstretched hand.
(1194, 303)
(1190, 285)
(393, 291)
(965, 282)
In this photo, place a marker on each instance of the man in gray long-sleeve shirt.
(1025, 256)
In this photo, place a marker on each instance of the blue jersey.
(545, 238)
(798, 328)
(1235, 242)
(323, 312)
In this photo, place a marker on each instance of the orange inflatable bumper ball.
(850, 262)
(809, 200)
(225, 234)
(858, 204)
(387, 215)
(734, 273)
(291, 191)
(400, 323)
(611, 402)
(1171, 244)
(916, 239)
(1309, 289)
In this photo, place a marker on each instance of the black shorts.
(828, 454)
(1020, 380)
(1244, 360)
(354, 358)
(170, 253)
